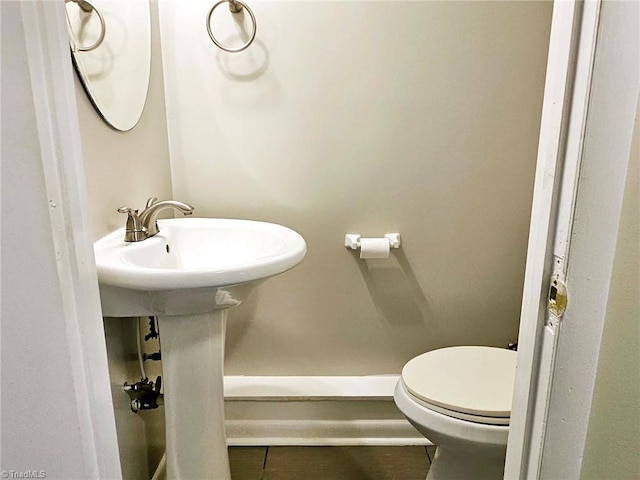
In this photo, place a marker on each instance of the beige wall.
(613, 441)
(125, 168)
(366, 117)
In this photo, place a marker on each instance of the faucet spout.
(149, 215)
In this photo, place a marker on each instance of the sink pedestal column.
(192, 366)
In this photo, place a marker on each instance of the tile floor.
(330, 463)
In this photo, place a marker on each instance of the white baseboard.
(367, 387)
(315, 411)
(322, 433)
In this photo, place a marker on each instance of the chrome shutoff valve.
(144, 394)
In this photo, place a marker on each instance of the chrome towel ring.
(235, 6)
(87, 6)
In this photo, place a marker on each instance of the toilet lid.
(472, 380)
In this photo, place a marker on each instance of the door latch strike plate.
(557, 299)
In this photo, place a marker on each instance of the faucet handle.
(151, 201)
(134, 231)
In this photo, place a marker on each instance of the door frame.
(57, 134)
(588, 116)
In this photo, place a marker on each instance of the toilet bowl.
(460, 399)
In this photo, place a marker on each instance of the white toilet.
(460, 399)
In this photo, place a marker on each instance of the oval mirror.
(111, 49)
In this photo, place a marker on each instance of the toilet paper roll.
(374, 248)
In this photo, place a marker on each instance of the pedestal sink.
(188, 275)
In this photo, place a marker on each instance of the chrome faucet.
(144, 225)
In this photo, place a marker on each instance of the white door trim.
(554, 125)
(49, 61)
(556, 364)
(605, 148)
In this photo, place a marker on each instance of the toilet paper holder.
(352, 240)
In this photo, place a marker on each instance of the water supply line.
(140, 359)
(144, 394)
(161, 470)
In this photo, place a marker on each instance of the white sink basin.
(188, 275)
(194, 265)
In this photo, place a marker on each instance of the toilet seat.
(461, 415)
(470, 383)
